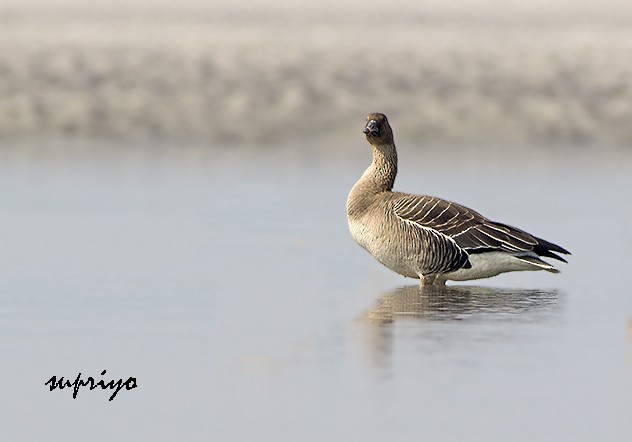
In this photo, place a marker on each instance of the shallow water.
(231, 290)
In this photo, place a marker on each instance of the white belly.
(486, 265)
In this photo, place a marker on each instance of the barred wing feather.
(469, 229)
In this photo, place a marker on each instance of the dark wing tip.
(549, 254)
(548, 247)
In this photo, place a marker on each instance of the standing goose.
(429, 238)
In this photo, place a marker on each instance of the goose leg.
(431, 280)
(426, 280)
(439, 282)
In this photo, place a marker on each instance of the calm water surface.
(231, 289)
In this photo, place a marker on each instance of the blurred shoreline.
(271, 76)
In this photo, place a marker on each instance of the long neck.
(379, 177)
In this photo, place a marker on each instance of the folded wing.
(469, 229)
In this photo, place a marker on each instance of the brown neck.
(379, 177)
(382, 172)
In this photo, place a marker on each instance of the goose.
(429, 238)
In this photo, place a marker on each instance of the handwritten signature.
(117, 386)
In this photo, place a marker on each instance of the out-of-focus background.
(173, 178)
(254, 71)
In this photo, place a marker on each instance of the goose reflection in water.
(456, 323)
(460, 303)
